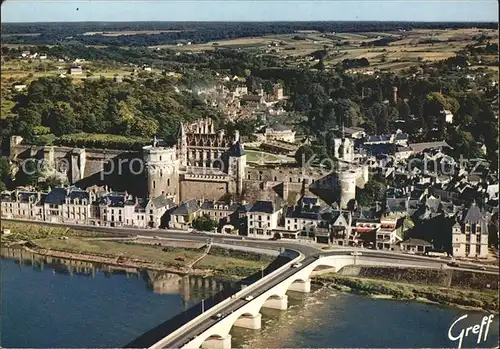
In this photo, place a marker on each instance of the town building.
(470, 234)
(183, 215)
(263, 218)
(279, 132)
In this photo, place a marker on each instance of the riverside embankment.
(180, 257)
(475, 291)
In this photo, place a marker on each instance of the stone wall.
(210, 190)
(86, 167)
(447, 277)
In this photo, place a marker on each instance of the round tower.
(395, 94)
(162, 171)
(347, 184)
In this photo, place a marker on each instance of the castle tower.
(182, 146)
(236, 166)
(162, 171)
(395, 94)
(346, 150)
(347, 184)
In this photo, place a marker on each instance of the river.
(57, 303)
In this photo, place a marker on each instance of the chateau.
(204, 163)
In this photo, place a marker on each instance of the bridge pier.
(252, 322)
(217, 343)
(301, 286)
(276, 302)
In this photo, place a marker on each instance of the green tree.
(204, 223)
(303, 154)
(4, 172)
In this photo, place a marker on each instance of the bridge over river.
(208, 324)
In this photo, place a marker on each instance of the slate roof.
(401, 137)
(162, 201)
(379, 138)
(57, 196)
(187, 207)
(419, 147)
(474, 214)
(264, 206)
(413, 241)
(78, 194)
(236, 150)
(209, 205)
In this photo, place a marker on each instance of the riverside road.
(307, 249)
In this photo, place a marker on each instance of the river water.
(57, 303)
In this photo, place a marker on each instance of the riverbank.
(153, 254)
(467, 299)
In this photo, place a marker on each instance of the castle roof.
(237, 150)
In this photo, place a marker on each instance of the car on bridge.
(217, 316)
(356, 253)
(248, 298)
(296, 265)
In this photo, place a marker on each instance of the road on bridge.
(197, 328)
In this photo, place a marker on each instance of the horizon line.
(255, 21)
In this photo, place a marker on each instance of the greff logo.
(479, 329)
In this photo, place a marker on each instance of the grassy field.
(117, 249)
(28, 231)
(230, 265)
(400, 54)
(260, 157)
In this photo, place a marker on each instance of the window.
(467, 228)
(168, 182)
(467, 249)
(478, 249)
(478, 228)
(154, 184)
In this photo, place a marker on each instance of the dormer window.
(478, 228)
(467, 227)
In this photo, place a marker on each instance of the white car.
(356, 253)
(248, 298)
(296, 265)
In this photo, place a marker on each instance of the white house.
(263, 218)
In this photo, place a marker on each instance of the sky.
(244, 10)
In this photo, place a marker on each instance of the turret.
(237, 164)
(347, 186)
(162, 170)
(182, 146)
